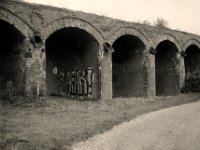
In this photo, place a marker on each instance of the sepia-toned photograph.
(99, 75)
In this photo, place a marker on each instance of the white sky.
(180, 14)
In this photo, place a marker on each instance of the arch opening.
(167, 77)
(128, 67)
(11, 60)
(72, 64)
(192, 69)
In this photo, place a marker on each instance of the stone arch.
(167, 65)
(16, 21)
(13, 37)
(73, 46)
(72, 22)
(129, 31)
(129, 63)
(192, 66)
(191, 42)
(166, 37)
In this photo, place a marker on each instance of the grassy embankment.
(61, 122)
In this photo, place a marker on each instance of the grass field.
(61, 122)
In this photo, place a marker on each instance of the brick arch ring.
(129, 31)
(168, 37)
(67, 22)
(17, 22)
(191, 42)
(58, 24)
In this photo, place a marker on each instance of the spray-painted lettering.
(77, 82)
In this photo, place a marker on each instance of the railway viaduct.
(53, 51)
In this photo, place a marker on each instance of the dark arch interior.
(71, 52)
(167, 79)
(10, 57)
(128, 67)
(192, 69)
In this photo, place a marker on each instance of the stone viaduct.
(53, 51)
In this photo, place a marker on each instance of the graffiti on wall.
(76, 82)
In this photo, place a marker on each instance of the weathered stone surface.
(62, 52)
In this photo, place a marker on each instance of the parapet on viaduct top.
(55, 51)
(36, 17)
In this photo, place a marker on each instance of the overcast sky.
(180, 14)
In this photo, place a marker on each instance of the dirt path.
(176, 128)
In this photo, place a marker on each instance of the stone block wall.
(82, 64)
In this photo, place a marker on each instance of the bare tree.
(146, 22)
(161, 23)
